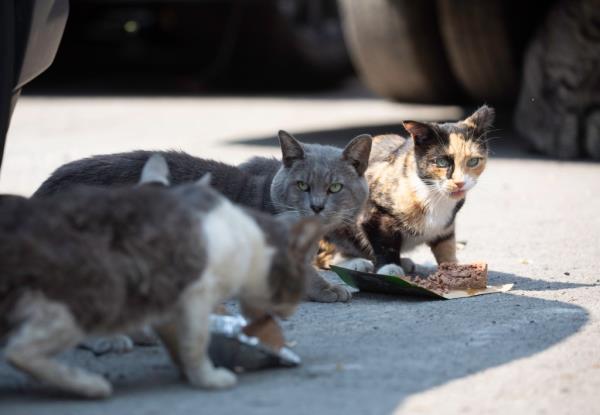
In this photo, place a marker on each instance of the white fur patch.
(439, 211)
(391, 269)
(357, 264)
(470, 182)
(237, 252)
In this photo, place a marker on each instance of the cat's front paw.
(90, 385)
(358, 264)
(215, 378)
(391, 269)
(104, 345)
(331, 294)
(408, 266)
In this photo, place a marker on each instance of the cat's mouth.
(458, 194)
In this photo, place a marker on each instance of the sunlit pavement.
(535, 221)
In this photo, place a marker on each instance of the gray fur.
(318, 166)
(124, 169)
(265, 184)
(86, 247)
(97, 261)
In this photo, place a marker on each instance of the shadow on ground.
(359, 358)
(504, 141)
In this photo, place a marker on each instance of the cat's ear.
(304, 237)
(291, 149)
(357, 152)
(156, 170)
(481, 120)
(204, 180)
(421, 133)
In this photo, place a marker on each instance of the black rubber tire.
(479, 47)
(397, 49)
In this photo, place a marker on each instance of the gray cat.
(311, 180)
(96, 261)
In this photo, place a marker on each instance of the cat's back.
(122, 169)
(105, 217)
(114, 220)
(261, 166)
(109, 254)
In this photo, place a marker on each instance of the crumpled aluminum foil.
(231, 348)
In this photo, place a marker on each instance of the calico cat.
(101, 261)
(310, 180)
(417, 186)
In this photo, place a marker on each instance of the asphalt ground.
(536, 221)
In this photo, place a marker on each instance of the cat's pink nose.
(459, 185)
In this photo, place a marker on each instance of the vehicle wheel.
(397, 48)
(290, 43)
(479, 47)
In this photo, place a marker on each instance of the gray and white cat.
(310, 180)
(97, 261)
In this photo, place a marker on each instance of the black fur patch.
(458, 206)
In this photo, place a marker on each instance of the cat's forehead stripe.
(319, 174)
(457, 143)
(460, 146)
(325, 174)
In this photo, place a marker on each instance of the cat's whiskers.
(435, 198)
(349, 220)
(285, 208)
(347, 216)
(490, 139)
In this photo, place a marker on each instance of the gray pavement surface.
(534, 350)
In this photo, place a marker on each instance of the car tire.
(479, 48)
(397, 49)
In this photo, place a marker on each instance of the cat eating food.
(310, 180)
(97, 261)
(417, 186)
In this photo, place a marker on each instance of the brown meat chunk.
(268, 332)
(455, 277)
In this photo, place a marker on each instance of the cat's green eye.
(302, 185)
(335, 187)
(472, 162)
(442, 162)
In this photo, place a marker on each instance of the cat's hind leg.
(168, 334)
(193, 336)
(47, 328)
